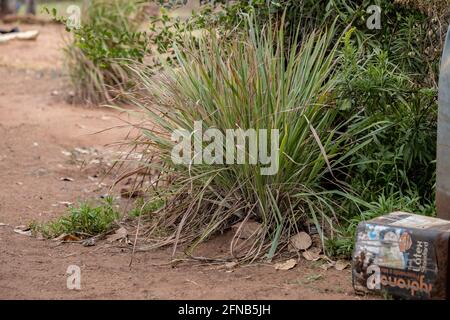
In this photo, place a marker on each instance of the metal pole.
(31, 6)
(443, 143)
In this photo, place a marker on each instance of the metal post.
(31, 6)
(7, 7)
(443, 143)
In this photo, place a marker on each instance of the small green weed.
(84, 220)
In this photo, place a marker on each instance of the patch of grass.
(84, 220)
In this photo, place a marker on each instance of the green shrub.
(107, 40)
(401, 158)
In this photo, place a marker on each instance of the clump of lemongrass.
(252, 82)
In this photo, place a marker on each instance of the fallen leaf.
(82, 150)
(70, 238)
(341, 265)
(66, 179)
(327, 266)
(89, 242)
(60, 237)
(65, 203)
(120, 233)
(287, 265)
(23, 230)
(312, 254)
(301, 241)
(24, 233)
(3, 224)
(230, 265)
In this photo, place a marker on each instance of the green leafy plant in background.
(401, 157)
(108, 38)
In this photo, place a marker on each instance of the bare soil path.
(37, 128)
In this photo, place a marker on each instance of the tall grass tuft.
(254, 82)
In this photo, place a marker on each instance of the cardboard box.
(404, 255)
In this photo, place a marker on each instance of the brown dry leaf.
(312, 254)
(327, 266)
(65, 203)
(247, 229)
(67, 237)
(291, 248)
(120, 234)
(341, 265)
(301, 241)
(23, 230)
(287, 265)
(89, 242)
(230, 265)
(70, 237)
(60, 238)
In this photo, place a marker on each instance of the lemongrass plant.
(254, 82)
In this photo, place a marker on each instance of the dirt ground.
(38, 127)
